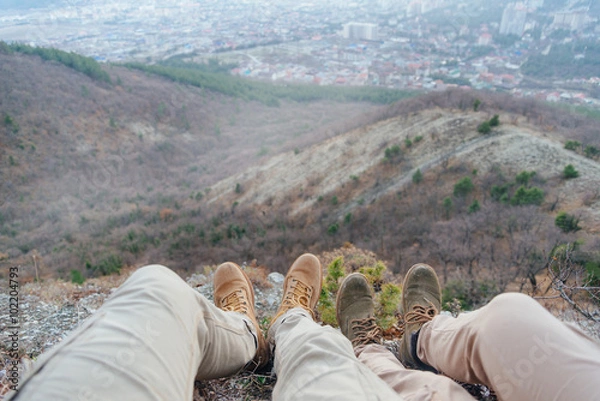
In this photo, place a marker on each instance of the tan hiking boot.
(355, 311)
(421, 302)
(233, 292)
(302, 286)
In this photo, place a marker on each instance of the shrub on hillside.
(386, 299)
(447, 204)
(417, 176)
(77, 277)
(474, 207)
(570, 172)
(591, 151)
(572, 145)
(393, 154)
(469, 294)
(463, 187)
(567, 222)
(109, 265)
(527, 196)
(484, 128)
(495, 121)
(499, 193)
(524, 176)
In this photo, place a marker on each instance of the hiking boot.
(421, 302)
(302, 286)
(355, 311)
(233, 292)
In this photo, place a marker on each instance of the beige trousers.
(155, 335)
(147, 342)
(512, 345)
(315, 362)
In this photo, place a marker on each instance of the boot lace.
(419, 315)
(235, 302)
(366, 331)
(299, 295)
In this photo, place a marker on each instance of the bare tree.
(574, 284)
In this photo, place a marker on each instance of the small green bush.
(463, 187)
(572, 145)
(77, 277)
(408, 143)
(570, 172)
(447, 204)
(387, 304)
(500, 192)
(470, 295)
(593, 273)
(567, 223)
(476, 104)
(333, 229)
(326, 305)
(392, 154)
(418, 138)
(474, 207)
(524, 176)
(109, 265)
(348, 218)
(524, 196)
(417, 176)
(374, 274)
(484, 128)
(591, 151)
(495, 121)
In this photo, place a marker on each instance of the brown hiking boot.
(302, 286)
(233, 292)
(421, 302)
(354, 311)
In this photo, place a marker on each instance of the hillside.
(79, 155)
(98, 175)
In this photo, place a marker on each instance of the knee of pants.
(158, 278)
(508, 301)
(501, 310)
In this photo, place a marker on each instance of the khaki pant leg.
(412, 385)
(149, 341)
(314, 362)
(516, 347)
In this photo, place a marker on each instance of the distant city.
(419, 44)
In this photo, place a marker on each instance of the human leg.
(516, 347)
(149, 341)
(411, 384)
(312, 361)
(355, 316)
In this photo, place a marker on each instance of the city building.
(361, 30)
(485, 39)
(535, 3)
(570, 20)
(513, 19)
(414, 8)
